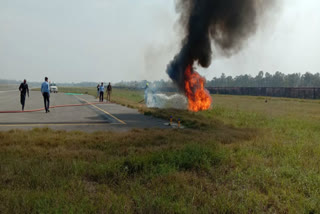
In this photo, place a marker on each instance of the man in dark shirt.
(24, 89)
(98, 88)
(109, 90)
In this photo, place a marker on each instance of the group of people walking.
(45, 90)
(100, 92)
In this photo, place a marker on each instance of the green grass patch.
(242, 156)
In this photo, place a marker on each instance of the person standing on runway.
(45, 90)
(98, 89)
(24, 89)
(109, 90)
(146, 91)
(101, 90)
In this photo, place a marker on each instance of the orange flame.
(198, 97)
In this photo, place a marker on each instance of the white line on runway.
(102, 110)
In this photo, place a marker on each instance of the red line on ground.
(57, 106)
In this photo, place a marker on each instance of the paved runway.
(93, 117)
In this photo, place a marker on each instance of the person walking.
(101, 90)
(109, 90)
(98, 88)
(146, 91)
(24, 89)
(45, 90)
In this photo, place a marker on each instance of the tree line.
(267, 80)
(277, 79)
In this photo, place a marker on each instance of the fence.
(303, 93)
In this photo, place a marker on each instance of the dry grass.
(242, 156)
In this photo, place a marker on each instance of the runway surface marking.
(58, 124)
(121, 121)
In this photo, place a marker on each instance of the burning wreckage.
(223, 24)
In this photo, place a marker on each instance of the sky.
(115, 40)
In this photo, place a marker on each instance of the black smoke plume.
(226, 24)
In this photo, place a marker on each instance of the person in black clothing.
(24, 89)
(98, 88)
(109, 90)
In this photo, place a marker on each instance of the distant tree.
(268, 80)
(292, 80)
(316, 80)
(307, 80)
(262, 79)
(278, 79)
(223, 80)
(229, 81)
(259, 79)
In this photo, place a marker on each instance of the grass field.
(242, 156)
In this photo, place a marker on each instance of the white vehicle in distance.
(53, 88)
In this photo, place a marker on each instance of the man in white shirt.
(101, 90)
